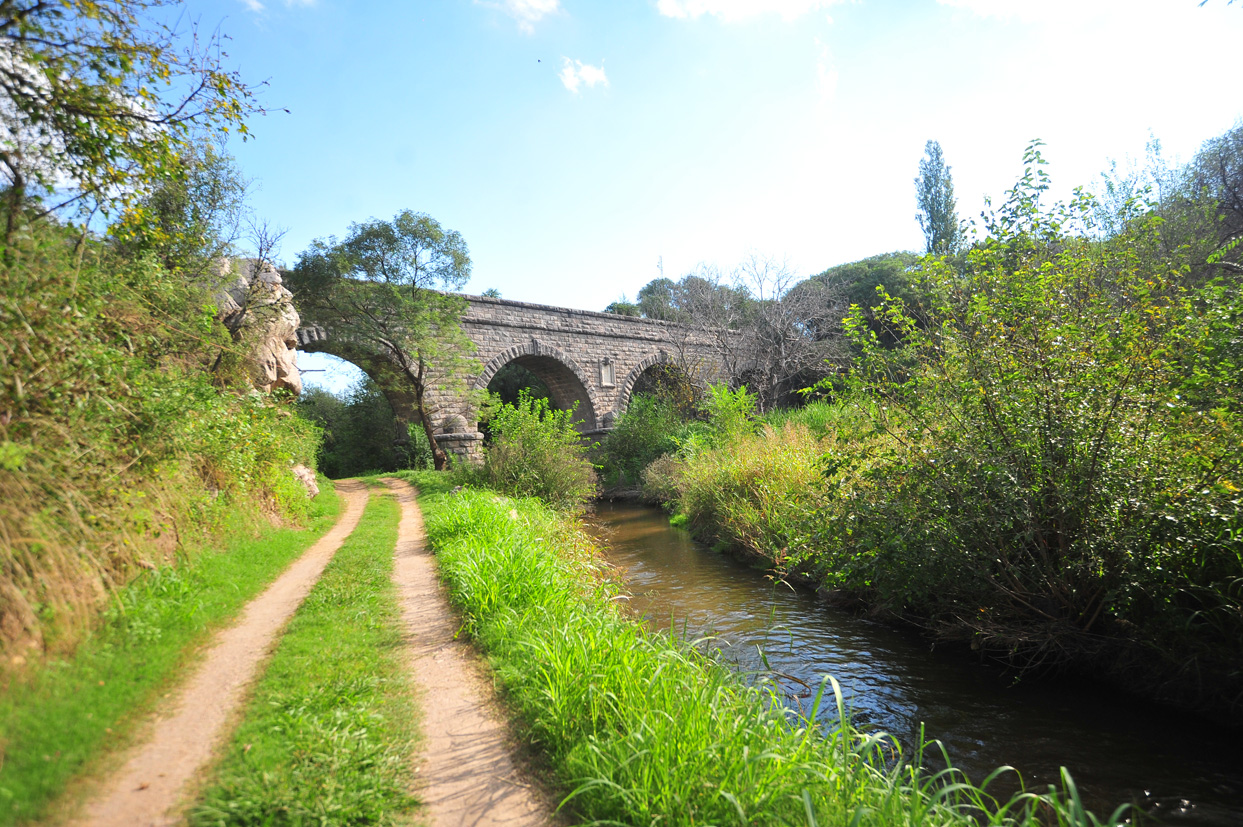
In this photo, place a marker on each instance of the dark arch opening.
(563, 388)
(668, 382)
(510, 380)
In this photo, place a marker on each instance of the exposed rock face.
(306, 476)
(259, 311)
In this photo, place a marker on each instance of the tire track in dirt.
(148, 789)
(467, 775)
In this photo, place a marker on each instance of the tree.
(376, 289)
(193, 214)
(623, 307)
(791, 329)
(857, 283)
(934, 192)
(96, 96)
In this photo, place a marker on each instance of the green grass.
(58, 721)
(640, 728)
(329, 734)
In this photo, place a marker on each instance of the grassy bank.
(641, 728)
(328, 735)
(56, 722)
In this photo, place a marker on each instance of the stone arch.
(565, 378)
(390, 381)
(660, 357)
(627, 389)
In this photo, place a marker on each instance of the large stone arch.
(594, 359)
(566, 380)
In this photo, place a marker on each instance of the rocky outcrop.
(259, 311)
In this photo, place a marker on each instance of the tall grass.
(118, 443)
(58, 720)
(641, 728)
(328, 736)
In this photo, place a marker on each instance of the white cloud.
(257, 7)
(526, 12)
(734, 10)
(575, 74)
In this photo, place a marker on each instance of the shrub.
(758, 492)
(537, 452)
(730, 412)
(117, 443)
(643, 433)
(1066, 451)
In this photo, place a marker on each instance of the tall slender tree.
(934, 192)
(378, 289)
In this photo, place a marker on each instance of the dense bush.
(1066, 449)
(537, 452)
(644, 432)
(117, 442)
(1049, 466)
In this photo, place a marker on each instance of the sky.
(584, 148)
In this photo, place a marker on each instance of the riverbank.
(832, 497)
(637, 725)
(1119, 749)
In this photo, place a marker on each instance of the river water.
(1180, 769)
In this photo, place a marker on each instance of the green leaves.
(100, 97)
(1067, 413)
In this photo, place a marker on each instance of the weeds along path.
(467, 775)
(157, 771)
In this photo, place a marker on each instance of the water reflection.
(1118, 750)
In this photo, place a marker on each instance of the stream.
(1180, 769)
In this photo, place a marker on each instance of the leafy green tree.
(934, 192)
(656, 300)
(360, 432)
(193, 213)
(621, 307)
(377, 289)
(96, 96)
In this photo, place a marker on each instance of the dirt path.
(148, 788)
(467, 776)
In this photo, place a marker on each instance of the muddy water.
(1182, 770)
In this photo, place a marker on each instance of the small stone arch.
(661, 357)
(627, 389)
(552, 365)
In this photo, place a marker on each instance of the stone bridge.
(593, 359)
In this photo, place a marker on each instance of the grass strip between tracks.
(641, 728)
(329, 733)
(60, 721)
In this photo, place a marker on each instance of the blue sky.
(576, 144)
